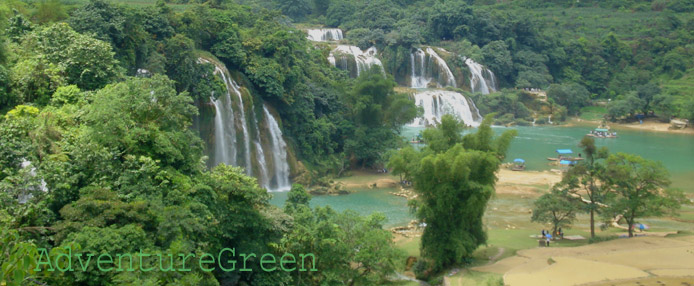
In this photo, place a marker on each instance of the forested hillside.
(130, 126)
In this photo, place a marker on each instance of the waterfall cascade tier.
(426, 67)
(353, 59)
(482, 80)
(256, 145)
(437, 103)
(324, 35)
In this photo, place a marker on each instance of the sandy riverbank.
(525, 182)
(510, 182)
(651, 125)
(619, 260)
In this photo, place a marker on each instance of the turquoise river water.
(534, 145)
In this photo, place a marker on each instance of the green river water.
(534, 145)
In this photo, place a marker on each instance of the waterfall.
(427, 66)
(478, 81)
(324, 35)
(240, 120)
(437, 103)
(353, 59)
(224, 136)
(262, 151)
(417, 61)
(280, 180)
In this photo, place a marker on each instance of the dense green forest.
(98, 100)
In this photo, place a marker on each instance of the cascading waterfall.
(437, 103)
(264, 159)
(427, 66)
(482, 80)
(280, 178)
(240, 120)
(29, 189)
(353, 59)
(324, 35)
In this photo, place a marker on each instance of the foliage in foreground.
(454, 176)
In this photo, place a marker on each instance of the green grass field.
(593, 113)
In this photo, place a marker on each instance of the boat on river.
(518, 165)
(565, 155)
(602, 133)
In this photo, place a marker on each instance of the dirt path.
(496, 257)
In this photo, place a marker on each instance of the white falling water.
(229, 123)
(478, 81)
(262, 164)
(363, 60)
(27, 192)
(437, 103)
(224, 135)
(279, 154)
(324, 35)
(418, 63)
(428, 66)
(233, 87)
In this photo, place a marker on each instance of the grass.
(137, 4)
(683, 86)
(410, 246)
(593, 113)
(465, 278)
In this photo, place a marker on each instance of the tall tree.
(454, 186)
(641, 188)
(583, 179)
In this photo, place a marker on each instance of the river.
(534, 145)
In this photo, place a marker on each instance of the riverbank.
(650, 125)
(622, 259)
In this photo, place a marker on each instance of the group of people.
(603, 134)
(547, 236)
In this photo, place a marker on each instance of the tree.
(404, 162)
(122, 116)
(454, 185)
(450, 20)
(378, 112)
(573, 96)
(86, 62)
(49, 11)
(350, 249)
(583, 179)
(646, 93)
(498, 59)
(630, 105)
(557, 208)
(296, 9)
(641, 188)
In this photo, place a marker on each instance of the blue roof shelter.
(564, 151)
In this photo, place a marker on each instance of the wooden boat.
(518, 165)
(564, 156)
(602, 133)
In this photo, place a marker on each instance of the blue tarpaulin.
(566, 162)
(519, 160)
(564, 151)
